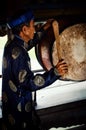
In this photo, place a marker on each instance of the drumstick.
(57, 38)
(47, 24)
(56, 33)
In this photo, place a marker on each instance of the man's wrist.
(56, 72)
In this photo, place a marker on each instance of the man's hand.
(61, 67)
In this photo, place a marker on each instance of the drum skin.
(71, 48)
(73, 51)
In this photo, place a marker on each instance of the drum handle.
(55, 26)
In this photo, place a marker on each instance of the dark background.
(66, 12)
(43, 9)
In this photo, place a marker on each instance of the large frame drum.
(70, 45)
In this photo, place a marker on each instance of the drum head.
(72, 49)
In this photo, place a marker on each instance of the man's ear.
(24, 29)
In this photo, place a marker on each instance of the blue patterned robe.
(18, 83)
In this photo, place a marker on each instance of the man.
(18, 81)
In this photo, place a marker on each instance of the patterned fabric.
(18, 83)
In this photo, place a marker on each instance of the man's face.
(31, 29)
(28, 31)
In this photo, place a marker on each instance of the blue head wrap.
(26, 17)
